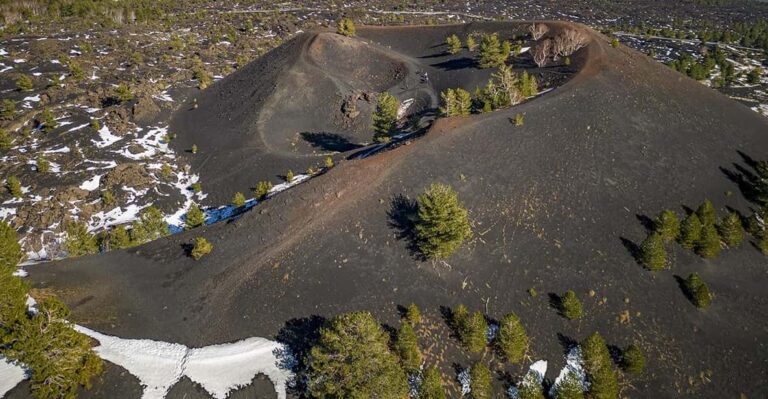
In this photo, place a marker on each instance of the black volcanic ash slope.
(554, 205)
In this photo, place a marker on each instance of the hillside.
(555, 204)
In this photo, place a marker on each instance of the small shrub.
(46, 121)
(238, 201)
(194, 149)
(289, 176)
(123, 93)
(519, 120)
(407, 347)
(690, 231)
(5, 140)
(454, 44)
(197, 187)
(107, 198)
(471, 43)
(346, 27)
(731, 231)
(42, 165)
(7, 108)
(633, 360)
(328, 162)
(570, 306)
(13, 185)
(79, 241)
(24, 83)
(668, 225)
(480, 381)
(512, 339)
(95, 125)
(262, 190)
(119, 238)
(194, 217)
(698, 291)
(201, 248)
(615, 42)
(166, 171)
(653, 255)
(412, 314)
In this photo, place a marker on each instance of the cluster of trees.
(687, 65)
(504, 89)
(493, 53)
(59, 359)
(150, 226)
(106, 12)
(747, 34)
(511, 339)
(442, 224)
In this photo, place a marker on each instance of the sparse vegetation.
(201, 248)
(442, 223)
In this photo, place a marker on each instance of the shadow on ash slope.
(219, 369)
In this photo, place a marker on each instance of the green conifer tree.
(151, 226)
(385, 117)
(431, 385)
(13, 185)
(480, 382)
(79, 241)
(473, 333)
(570, 306)
(194, 217)
(731, 230)
(633, 360)
(653, 255)
(690, 231)
(407, 347)
(708, 246)
(471, 43)
(346, 27)
(238, 201)
(413, 314)
(569, 388)
(706, 213)
(491, 54)
(530, 387)
(512, 339)
(442, 223)
(698, 291)
(262, 190)
(463, 102)
(200, 248)
(598, 366)
(119, 238)
(454, 44)
(668, 225)
(448, 101)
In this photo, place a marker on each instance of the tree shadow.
(456, 64)
(566, 342)
(300, 334)
(329, 141)
(632, 248)
(403, 213)
(648, 223)
(617, 354)
(684, 288)
(556, 302)
(750, 182)
(447, 314)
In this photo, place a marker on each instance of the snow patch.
(11, 375)
(107, 138)
(91, 184)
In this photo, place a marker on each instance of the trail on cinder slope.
(554, 204)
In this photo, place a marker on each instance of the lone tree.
(385, 117)
(431, 385)
(442, 223)
(238, 201)
(24, 83)
(731, 230)
(194, 217)
(512, 340)
(407, 346)
(200, 248)
(346, 27)
(570, 306)
(698, 291)
(603, 382)
(262, 190)
(668, 225)
(13, 185)
(690, 231)
(653, 255)
(493, 53)
(352, 360)
(79, 241)
(480, 381)
(454, 44)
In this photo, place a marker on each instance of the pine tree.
(79, 241)
(431, 385)
(709, 243)
(13, 185)
(346, 27)
(194, 217)
(463, 102)
(42, 165)
(262, 190)
(480, 381)
(473, 332)
(289, 176)
(491, 53)
(119, 238)
(706, 213)
(442, 223)
(328, 162)
(46, 121)
(60, 359)
(10, 249)
(653, 255)
(570, 306)
(507, 83)
(598, 366)
(633, 360)
(351, 359)
(731, 230)
(471, 43)
(5, 140)
(569, 388)
(459, 317)
(407, 347)
(385, 117)
(448, 100)
(24, 83)
(530, 387)
(238, 201)
(512, 339)
(668, 225)
(690, 231)
(412, 314)
(698, 291)
(123, 93)
(151, 226)
(200, 248)
(454, 44)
